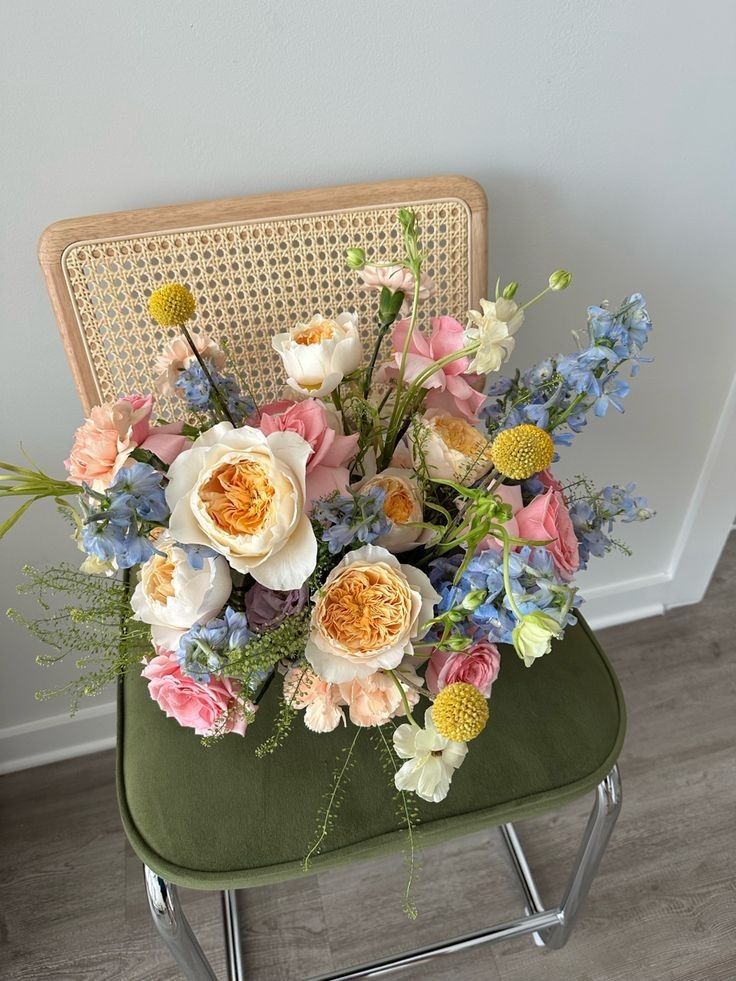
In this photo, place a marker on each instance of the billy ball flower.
(172, 305)
(522, 451)
(460, 712)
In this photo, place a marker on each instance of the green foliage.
(33, 484)
(95, 627)
(284, 642)
(408, 815)
(333, 799)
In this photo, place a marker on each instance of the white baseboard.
(59, 737)
(622, 602)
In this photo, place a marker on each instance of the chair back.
(256, 265)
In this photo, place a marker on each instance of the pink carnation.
(178, 355)
(103, 443)
(372, 701)
(396, 278)
(306, 690)
(453, 389)
(478, 666)
(204, 708)
(326, 467)
(547, 517)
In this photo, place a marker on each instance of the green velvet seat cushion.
(220, 817)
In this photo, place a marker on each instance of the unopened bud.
(510, 291)
(457, 643)
(473, 599)
(355, 258)
(560, 280)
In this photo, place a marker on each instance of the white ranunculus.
(172, 596)
(317, 355)
(532, 636)
(449, 447)
(431, 760)
(494, 325)
(402, 506)
(366, 616)
(242, 494)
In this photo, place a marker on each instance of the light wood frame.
(65, 235)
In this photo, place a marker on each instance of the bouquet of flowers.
(368, 542)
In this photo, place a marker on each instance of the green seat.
(221, 818)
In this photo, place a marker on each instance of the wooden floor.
(662, 909)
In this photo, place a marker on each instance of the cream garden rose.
(317, 355)
(449, 447)
(172, 596)
(402, 506)
(242, 493)
(367, 614)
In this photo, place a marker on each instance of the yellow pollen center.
(239, 497)
(461, 437)
(365, 610)
(316, 333)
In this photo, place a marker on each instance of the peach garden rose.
(242, 493)
(367, 614)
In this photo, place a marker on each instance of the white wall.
(602, 132)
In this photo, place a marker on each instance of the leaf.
(8, 524)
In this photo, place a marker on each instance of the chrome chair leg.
(163, 901)
(549, 927)
(603, 817)
(231, 923)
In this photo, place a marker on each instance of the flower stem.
(404, 699)
(219, 398)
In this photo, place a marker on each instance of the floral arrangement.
(369, 542)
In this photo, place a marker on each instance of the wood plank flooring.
(662, 909)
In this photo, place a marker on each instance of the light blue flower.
(350, 518)
(205, 649)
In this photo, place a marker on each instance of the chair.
(556, 731)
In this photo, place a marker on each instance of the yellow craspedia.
(460, 712)
(522, 451)
(172, 305)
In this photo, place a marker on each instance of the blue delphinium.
(593, 513)
(205, 649)
(115, 522)
(558, 393)
(534, 584)
(197, 390)
(347, 518)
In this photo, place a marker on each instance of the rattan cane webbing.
(250, 280)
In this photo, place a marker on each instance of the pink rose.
(396, 278)
(204, 708)
(453, 389)
(103, 443)
(547, 517)
(548, 480)
(478, 666)
(326, 467)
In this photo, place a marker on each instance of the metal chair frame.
(549, 927)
